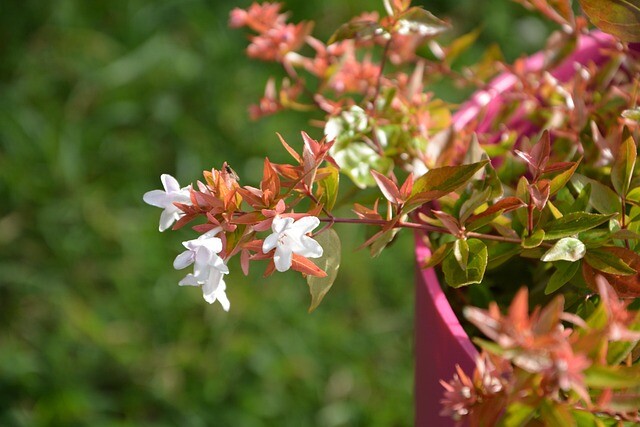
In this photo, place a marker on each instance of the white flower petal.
(270, 242)
(212, 244)
(280, 224)
(156, 198)
(282, 258)
(169, 183)
(305, 225)
(166, 219)
(183, 260)
(310, 248)
(222, 297)
(189, 280)
(201, 267)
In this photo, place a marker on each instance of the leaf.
(439, 182)
(598, 376)
(560, 181)
(574, 223)
(619, 350)
(608, 262)
(388, 188)
(603, 198)
(503, 205)
(421, 22)
(566, 249)
(461, 252)
(329, 262)
(437, 256)
(382, 241)
(555, 414)
(564, 272)
(621, 262)
(359, 30)
(328, 186)
(534, 240)
(622, 169)
(620, 18)
(476, 266)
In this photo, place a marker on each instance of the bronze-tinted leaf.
(620, 18)
(625, 285)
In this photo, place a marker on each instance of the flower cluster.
(229, 230)
(537, 170)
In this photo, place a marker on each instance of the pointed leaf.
(566, 249)
(388, 188)
(574, 223)
(565, 270)
(603, 198)
(437, 256)
(622, 169)
(439, 182)
(419, 21)
(620, 18)
(476, 266)
(359, 30)
(329, 262)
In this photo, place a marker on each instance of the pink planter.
(441, 342)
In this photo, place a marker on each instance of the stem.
(424, 227)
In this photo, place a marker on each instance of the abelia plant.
(538, 168)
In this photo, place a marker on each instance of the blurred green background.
(97, 99)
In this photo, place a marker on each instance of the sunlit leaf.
(603, 198)
(574, 223)
(620, 18)
(565, 249)
(565, 270)
(476, 265)
(329, 262)
(439, 182)
(598, 376)
(360, 30)
(327, 192)
(419, 21)
(622, 169)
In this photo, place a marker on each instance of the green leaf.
(566, 249)
(329, 262)
(328, 187)
(555, 414)
(603, 198)
(574, 223)
(560, 180)
(632, 114)
(476, 266)
(439, 182)
(608, 262)
(381, 242)
(517, 415)
(622, 169)
(438, 255)
(565, 270)
(620, 376)
(620, 18)
(534, 240)
(501, 253)
(360, 30)
(619, 350)
(421, 22)
(461, 252)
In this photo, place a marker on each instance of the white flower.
(290, 238)
(213, 289)
(165, 199)
(208, 270)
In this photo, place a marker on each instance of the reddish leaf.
(389, 188)
(620, 18)
(627, 286)
(290, 150)
(306, 266)
(505, 205)
(539, 193)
